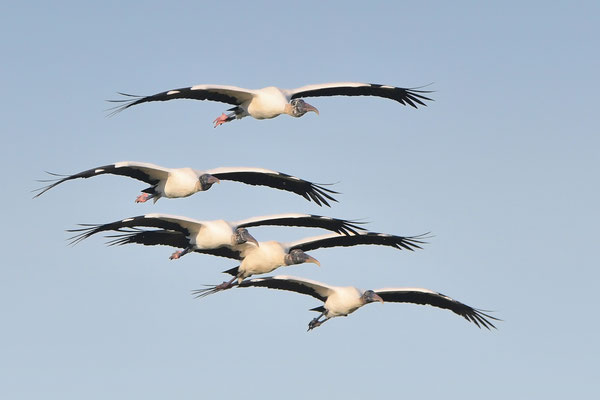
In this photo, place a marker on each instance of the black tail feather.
(232, 271)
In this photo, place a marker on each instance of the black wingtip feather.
(55, 181)
(483, 318)
(201, 293)
(84, 234)
(136, 99)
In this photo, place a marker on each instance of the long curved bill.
(249, 238)
(378, 298)
(207, 180)
(308, 107)
(313, 260)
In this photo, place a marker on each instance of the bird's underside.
(344, 300)
(270, 102)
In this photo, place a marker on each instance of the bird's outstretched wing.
(164, 237)
(340, 226)
(225, 94)
(358, 238)
(429, 297)
(412, 97)
(145, 172)
(309, 287)
(161, 237)
(163, 221)
(276, 180)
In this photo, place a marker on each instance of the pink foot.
(220, 120)
(142, 198)
(175, 255)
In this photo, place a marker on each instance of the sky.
(502, 168)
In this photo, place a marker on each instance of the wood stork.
(183, 182)
(270, 255)
(342, 301)
(195, 235)
(271, 101)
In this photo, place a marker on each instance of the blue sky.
(502, 168)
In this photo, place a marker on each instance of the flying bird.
(206, 236)
(267, 256)
(271, 101)
(183, 182)
(342, 301)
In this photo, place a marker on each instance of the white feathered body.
(214, 234)
(262, 259)
(267, 103)
(182, 182)
(343, 301)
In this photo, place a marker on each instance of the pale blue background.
(502, 168)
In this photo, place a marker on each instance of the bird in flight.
(270, 255)
(271, 101)
(218, 237)
(341, 301)
(183, 182)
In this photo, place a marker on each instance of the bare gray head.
(370, 296)
(206, 181)
(297, 256)
(299, 107)
(242, 236)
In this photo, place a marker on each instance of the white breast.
(262, 259)
(182, 182)
(267, 103)
(213, 234)
(343, 301)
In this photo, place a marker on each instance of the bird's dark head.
(297, 256)
(299, 107)
(370, 296)
(242, 236)
(206, 181)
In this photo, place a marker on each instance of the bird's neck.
(288, 109)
